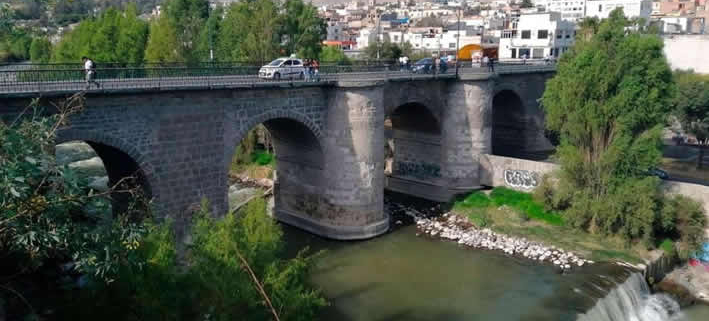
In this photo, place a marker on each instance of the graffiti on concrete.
(420, 170)
(521, 178)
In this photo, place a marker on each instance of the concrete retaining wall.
(687, 52)
(525, 175)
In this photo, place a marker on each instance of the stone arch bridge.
(329, 138)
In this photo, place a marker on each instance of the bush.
(52, 225)
(683, 219)
(212, 283)
(262, 158)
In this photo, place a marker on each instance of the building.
(631, 8)
(680, 24)
(571, 10)
(336, 30)
(537, 35)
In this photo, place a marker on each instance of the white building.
(571, 10)
(631, 8)
(537, 35)
(676, 24)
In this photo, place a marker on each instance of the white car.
(283, 68)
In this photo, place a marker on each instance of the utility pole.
(379, 20)
(457, 45)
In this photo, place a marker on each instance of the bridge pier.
(467, 132)
(349, 203)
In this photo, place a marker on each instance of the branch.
(22, 298)
(259, 287)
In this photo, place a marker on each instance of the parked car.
(283, 68)
(658, 172)
(424, 66)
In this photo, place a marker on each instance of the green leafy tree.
(333, 54)
(132, 36)
(249, 32)
(188, 18)
(302, 29)
(114, 36)
(162, 43)
(49, 216)
(383, 51)
(608, 103)
(208, 37)
(68, 12)
(691, 104)
(40, 50)
(234, 271)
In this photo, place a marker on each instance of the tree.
(302, 29)
(383, 51)
(40, 50)
(691, 104)
(333, 54)
(526, 4)
(162, 43)
(67, 12)
(50, 217)
(249, 31)
(132, 36)
(187, 17)
(208, 37)
(114, 36)
(608, 103)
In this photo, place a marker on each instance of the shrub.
(212, 282)
(50, 219)
(262, 158)
(683, 219)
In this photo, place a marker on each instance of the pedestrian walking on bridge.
(90, 71)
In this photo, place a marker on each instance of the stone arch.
(275, 121)
(263, 117)
(517, 129)
(414, 153)
(300, 162)
(430, 94)
(120, 159)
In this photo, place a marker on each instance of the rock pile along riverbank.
(456, 228)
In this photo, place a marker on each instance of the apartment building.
(537, 35)
(571, 10)
(631, 8)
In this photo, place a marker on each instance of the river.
(402, 276)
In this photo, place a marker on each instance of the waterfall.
(632, 301)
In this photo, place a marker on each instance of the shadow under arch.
(414, 152)
(300, 165)
(120, 161)
(517, 130)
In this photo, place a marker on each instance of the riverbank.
(457, 228)
(516, 215)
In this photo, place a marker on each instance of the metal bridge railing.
(49, 78)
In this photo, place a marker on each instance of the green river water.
(401, 276)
